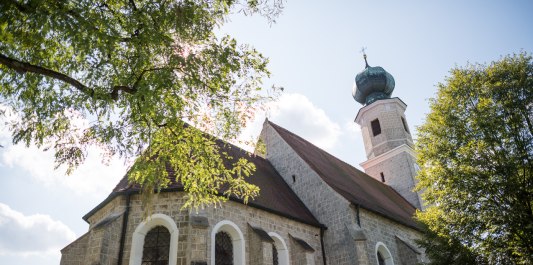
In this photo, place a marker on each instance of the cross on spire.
(363, 50)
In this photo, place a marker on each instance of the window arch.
(156, 246)
(281, 248)
(147, 227)
(223, 230)
(383, 255)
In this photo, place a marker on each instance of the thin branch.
(132, 3)
(24, 8)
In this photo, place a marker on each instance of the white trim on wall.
(147, 225)
(237, 239)
(281, 246)
(385, 253)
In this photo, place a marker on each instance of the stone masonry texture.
(334, 210)
(100, 246)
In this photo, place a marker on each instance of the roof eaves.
(116, 194)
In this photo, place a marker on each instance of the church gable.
(352, 184)
(358, 211)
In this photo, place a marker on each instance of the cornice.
(385, 156)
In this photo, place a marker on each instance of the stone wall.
(74, 253)
(327, 206)
(389, 113)
(346, 242)
(242, 216)
(194, 241)
(100, 245)
(399, 173)
(116, 205)
(380, 229)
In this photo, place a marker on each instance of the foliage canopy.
(128, 76)
(476, 154)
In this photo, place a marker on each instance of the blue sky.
(314, 54)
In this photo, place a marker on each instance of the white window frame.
(281, 247)
(385, 253)
(144, 227)
(237, 239)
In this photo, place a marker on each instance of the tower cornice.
(377, 103)
(378, 159)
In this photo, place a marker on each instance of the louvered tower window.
(223, 249)
(156, 246)
(275, 260)
(376, 127)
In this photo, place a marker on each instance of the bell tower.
(386, 135)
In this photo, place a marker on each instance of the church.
(313, 208)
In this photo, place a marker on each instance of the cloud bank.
(298, 114)
(36, 234)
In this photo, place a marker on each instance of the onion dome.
(373, 83)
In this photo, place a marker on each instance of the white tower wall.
(389, 147)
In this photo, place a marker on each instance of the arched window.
(275, 259)
(226, 238)
(383, 255)
(156, 246)
(281, 256)
(223, 249)
(381, 260)
(155, 241)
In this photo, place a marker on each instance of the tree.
(443, 250)
(476, 155)
(128, 76)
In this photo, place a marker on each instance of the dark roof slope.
(275, 195)
(354, 185)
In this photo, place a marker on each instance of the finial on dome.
(364, 56)
(373, 83)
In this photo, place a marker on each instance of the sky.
(314, 50)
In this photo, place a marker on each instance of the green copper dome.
(373, 83)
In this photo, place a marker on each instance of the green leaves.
(476, 152)
(127, 76)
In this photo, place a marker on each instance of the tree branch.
(23, 67)
(21, 7)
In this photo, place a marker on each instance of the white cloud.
(352, 128)
(36, 234)
(297, 113)
(91, 178)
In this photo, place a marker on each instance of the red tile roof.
(354, 185)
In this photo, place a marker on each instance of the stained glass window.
(156, 246)
(223, 249)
